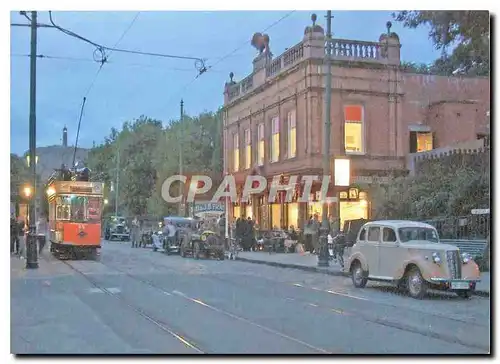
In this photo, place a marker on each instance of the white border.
(184, 5)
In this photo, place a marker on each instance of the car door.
(390, 253)
(371, 251)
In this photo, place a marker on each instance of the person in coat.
(135, 232)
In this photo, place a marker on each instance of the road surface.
(140, 301)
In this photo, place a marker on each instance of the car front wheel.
(417, 286)
(359, 278)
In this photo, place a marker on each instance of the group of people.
(245, 232)
(18, 230)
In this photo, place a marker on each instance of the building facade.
(273, 121)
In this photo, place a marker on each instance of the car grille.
(454, 264)
(119, 229)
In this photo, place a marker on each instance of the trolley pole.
(323, 256)
(181, 203)
(31, 243)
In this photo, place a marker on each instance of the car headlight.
(436, 258)
(466, 258)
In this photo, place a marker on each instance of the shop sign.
(371, 179)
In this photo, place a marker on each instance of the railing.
(293, 54)
(246, 83)
(473, 227)
(344, 48)
(274, 67)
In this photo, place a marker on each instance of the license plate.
(459, 285)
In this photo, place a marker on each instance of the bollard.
(323, 254)
(31, 251)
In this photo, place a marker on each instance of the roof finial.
(313, 18)
(231, 75)
(389, 26)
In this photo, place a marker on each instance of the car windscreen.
(414, 233)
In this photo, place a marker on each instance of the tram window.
(79, 209)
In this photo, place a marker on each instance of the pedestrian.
(14, 240)
(41, 231)
(21, 233)
(170, 231)
(308, 234)
(135, 232)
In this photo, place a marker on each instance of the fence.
(472, 227)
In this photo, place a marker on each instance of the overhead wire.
(80, 59)
(101, 49)
(105, 60)
(182, 89)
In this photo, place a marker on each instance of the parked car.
(116, 228)
(184, 226)
(410, 255)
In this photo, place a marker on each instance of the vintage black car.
(202, 243)
(183, 226)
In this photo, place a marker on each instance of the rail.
(355, 49)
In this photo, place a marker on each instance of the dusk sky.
(133, 85)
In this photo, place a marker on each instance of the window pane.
(248, 156)
(275, 125)
(236, 160)
(424, 142)
(275, 147)
(261, 131)
(236, 142)
(261, 153)
(353, 137)
(389, 235)
(353, 113)
(292, 143)
(374, 234)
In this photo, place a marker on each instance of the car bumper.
(455, 284)
(120, 235)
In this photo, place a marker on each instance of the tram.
(75, 206)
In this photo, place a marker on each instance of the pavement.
(309, 262)
(136, 301)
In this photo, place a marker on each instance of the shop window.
(421, 142)
(236, 153)
(249, 212)
(275, 140)
(236, 212)
(261, 144)
(293, 215)
(354, 129)
(292, 135)
(248, 149)
(276, 216)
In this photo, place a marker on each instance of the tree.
(149, 154)
(469, 30)
(19, 176)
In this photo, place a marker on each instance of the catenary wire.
(107, 57)
(183, 88)
(89, 60)
(101, 50)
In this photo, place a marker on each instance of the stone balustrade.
(342, 49)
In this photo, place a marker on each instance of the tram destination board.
(81, 189)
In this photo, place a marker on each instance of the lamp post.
(323, 255)
(31, 248)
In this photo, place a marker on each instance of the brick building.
(273, 119)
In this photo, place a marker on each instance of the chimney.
(65, 137)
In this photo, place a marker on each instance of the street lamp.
(27, 191)
(105, 201)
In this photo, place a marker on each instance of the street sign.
(480, 211)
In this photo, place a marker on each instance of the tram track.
(375, 320)
(158, 323)
(175, 333)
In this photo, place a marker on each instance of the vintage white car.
(410, 255)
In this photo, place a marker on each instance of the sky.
(133, 85)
